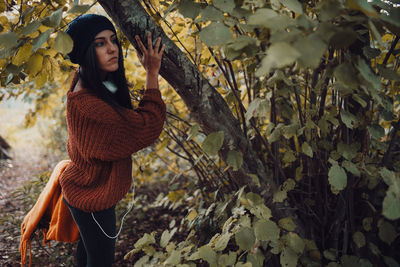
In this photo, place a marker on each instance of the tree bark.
(206, 105)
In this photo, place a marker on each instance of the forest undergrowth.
(146, 216)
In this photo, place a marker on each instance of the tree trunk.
(206, 105)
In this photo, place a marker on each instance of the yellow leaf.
(192, 215)
(23, 54)
(35, 64)
(3, 63)
(41, 79)
(174, 196)
(63, 43)
(3, 20)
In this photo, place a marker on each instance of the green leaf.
(54, 19)
(189, 8)
(364, 6)
(261, 16)
(289, 157)
(9, 78)
(347, 118)
(388, 176)
(254, 178)
(278, 25)
(390, 262)
(290, 131)
(215, 34)
(388, 74)
(142, 261)
(256, 259)
(330, 254)
(222, 241)
(210, 13)
(328, 10)
(79, 9)
(288, 258)
(360, 100)
(147, 239)
(376, 131)
(174, 259)
(261, 211)
(351, 167)
(368, 75)
(252, 109)
(213, 143)
(241, 264)
(266, 230)
(287, 224)
(63, 43)
(224, 5)
(306, 149)
(279, 196)
(295, 242)
(337, 178)
(346, 75)
(30, 28)
(391, 205)
(312, 48)
(208, 254)
(254, 199)
(279, 55)
(387, 233)
(227, 259)
(371, 53)
(276, 133)
(349, 261)
(41, 39)
(8, 39)
(194, 130)
(165, 237)
(293, 5)
(245, 238)
(348, 151)
(235, 47)
(359, 239)
(365, 263)
(367, 223)
(288, 185)
(235, 159)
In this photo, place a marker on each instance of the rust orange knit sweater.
(100, 145)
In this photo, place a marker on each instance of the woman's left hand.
(151, 57)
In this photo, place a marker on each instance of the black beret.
(82, 30)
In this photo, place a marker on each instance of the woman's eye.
(98, 44)
(115, 41)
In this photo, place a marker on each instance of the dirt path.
(23, 166)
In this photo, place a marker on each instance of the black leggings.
(95, 249)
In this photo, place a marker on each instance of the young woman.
(104, 130)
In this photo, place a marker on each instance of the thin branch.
(150, 6)
(235, 90)
(392, 47)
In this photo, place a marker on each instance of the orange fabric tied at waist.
(50, 208)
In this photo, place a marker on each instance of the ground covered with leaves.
(19, 193)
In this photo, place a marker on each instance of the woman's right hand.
(151, 57)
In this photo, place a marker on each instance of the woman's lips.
(114, 59)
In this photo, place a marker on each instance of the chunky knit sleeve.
(141, 129)
(101, 133)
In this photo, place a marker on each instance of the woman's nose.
(112, 46)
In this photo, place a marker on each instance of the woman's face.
(106, 46)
